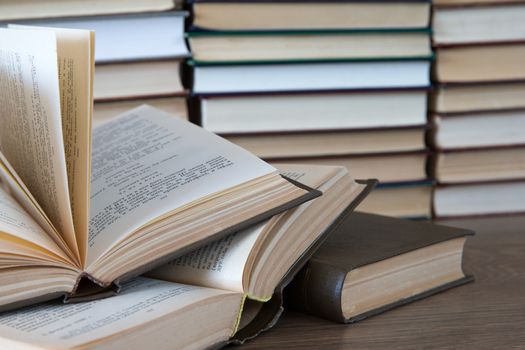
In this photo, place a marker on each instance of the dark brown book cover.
(362, 239)
(272, 309)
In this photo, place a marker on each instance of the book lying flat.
(459, 98)
(386, 167)
(230, 79)
(478, 24)
(416, 203)
(480, 63)
(373, 263)
(476, 165)
(241, 272)
(209, 47)
(83, 210)
(479, 130)
(445, 3)
(297, 15)
(479, 198)
(331, 143)
(130, 37)
(103, 111)
(313, 111)
(25, 9)
(131, 80)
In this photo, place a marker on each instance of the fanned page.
(19, 229)
(31, 136)
(224, 263)
(146, 165)
(137, 318)
(75, 68)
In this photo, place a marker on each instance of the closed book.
(313, 111)
(373, 263)
(210, 47)
(148, 36)
(479, 199)
(476, 165)
(300, 15)
(416, 203)
(328, 76)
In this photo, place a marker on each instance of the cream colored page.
(219, 264)
(15, 222)
(75, 66)
(59, 326)
(31, 133)
(21, 193)
(146, 164)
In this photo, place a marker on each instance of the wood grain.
(486, 314)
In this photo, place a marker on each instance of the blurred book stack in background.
(343, 83)
(479, 107)
(138, 52)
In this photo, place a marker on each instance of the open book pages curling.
(158, 184)
(209, 286)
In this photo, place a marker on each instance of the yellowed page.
(15, 222)
(147, 164)
(222, 264)
(31, 135)
(21, 193)
(75, 68)
(73, 325)
(219, 264)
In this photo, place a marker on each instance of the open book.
(227, 278)
(158, 185)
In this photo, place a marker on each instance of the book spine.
(317, 290)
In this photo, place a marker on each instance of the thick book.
(223, 287)
(327, 76)
(210, 47)
(83, 211)
(500, 62)
(416, 203)
(386, 167)
(331, 143)
(459, 98)
(300, 15)
(134, 80)
(103, 111)
(479, 198)
(478, 130)
(373, 263)
(132, 37)
(477, 165)
(17, 9)
(313, 111)
(485, 23)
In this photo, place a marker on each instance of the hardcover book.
(231, 280)
(372, 264)
(77, 219)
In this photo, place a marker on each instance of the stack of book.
(479, 107)
(139, 48)
(325, 82)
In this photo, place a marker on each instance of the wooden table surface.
(486, 314)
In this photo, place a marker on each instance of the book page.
(219, 264)
(22, 195)
(75, 68)
(222, 264)
(20, 227)
(147, 163)
(55, 325)
(31, 133)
